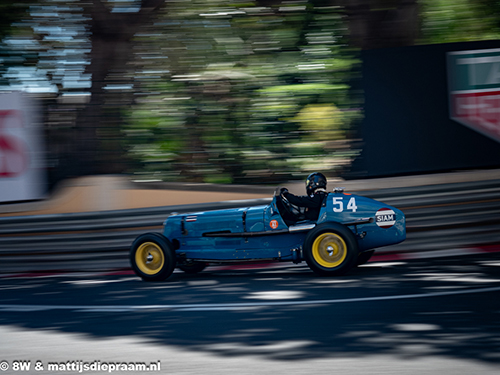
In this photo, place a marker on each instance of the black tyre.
(152, 257)
(330, 249)
(364, 257)
(192, 267)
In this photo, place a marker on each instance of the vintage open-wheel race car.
(348, 229)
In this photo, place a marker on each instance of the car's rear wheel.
(364, 257)
(193, 267)
(152, 257)
(330, 249)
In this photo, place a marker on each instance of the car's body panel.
(254, 233)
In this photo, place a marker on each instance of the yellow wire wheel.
(329, 250)
(152, 257)
(149, 258)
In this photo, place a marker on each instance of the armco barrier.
(438, 217)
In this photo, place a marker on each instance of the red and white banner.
(22, 174)
(474, 90)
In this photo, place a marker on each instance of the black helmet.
(315, 181)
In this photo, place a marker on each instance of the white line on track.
(232, 306)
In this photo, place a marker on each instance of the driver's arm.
(303, 200)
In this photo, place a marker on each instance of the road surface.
(428, 316)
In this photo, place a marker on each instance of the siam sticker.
(274, 224)
(385, 218)
(191, 219)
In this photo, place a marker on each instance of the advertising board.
(22, 174)
(474, 90)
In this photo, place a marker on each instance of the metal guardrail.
(449, 215)
(438, 217)
(118, 219)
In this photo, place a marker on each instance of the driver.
(308, 205)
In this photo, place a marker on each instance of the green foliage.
(11, 11)
(448, 21)
(248, 93)
(320, 122)
(225, 91)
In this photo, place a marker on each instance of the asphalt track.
(234, 306)
(433, 316)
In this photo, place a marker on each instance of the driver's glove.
(283, 191)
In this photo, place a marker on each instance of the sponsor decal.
(385, 218)
(274, 224)
(474, 90)
(190, 219)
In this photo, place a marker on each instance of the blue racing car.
(344, 235)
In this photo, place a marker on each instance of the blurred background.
(257, 92)
(115, 114)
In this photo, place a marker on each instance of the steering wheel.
(284, 204)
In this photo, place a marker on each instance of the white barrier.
(22, 172)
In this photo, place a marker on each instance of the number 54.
(338, 204)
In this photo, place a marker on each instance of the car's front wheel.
(152, 257)
(330, 249)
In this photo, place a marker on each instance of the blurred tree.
(234, 80)
(383, 23)
(108, 47)
(377, 23)
(491, 10)
(212, 91)
(320, 122)
(98, 126)
(447, 21)
(10, 13)
(81, 52)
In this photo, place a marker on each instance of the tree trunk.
(375, 23)
(98, 140)
(383, 23)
